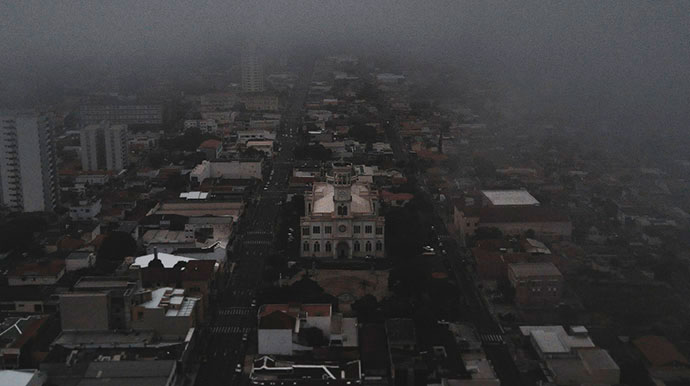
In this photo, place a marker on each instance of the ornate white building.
(341, 218)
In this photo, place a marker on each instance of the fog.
(614, 62)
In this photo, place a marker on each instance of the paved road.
(458, 259)
(229, 334)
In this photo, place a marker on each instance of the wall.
(542, 230)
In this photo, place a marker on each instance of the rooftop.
(534, 269)
(210, 144)
(167, 259)
(658, 351)
(17, 377)
(555, 340)
(510, 198)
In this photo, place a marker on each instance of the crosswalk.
(230, 330)
(491, 338)
(243, 311)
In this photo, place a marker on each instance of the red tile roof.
(277, 320)
(210, 144)
(39, 268)
(659, 351)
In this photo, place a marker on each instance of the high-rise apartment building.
(252, 70)
(28, 177)
(119, 113)
(104, 146)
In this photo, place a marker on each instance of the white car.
(427, 248)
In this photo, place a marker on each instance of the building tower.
(28, 177)
(342, 189)
(252, 70)
(104, 146)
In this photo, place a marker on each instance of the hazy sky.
(632, 54)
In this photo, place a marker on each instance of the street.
(231, 328)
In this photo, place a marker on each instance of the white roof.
(194, 195)
(177, 305)
(549, 342)
(553, 337)
(16, 377)
(510, 197)
(167, 259)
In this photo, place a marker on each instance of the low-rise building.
(85, 209)
(167, 241)
(227, 170)
(280, 326)
(42, 272)
(265, 147)
(268, 370)
(28, 377)
(571, 358)
(167, 311)
(80, 259)
(536, 284)
(212, 148)
(245, 136)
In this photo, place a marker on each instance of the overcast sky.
(633, 54)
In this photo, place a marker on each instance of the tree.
(362, 133)
(116, 246)
(18, 232)
(313, 337)
(367, 309)
(483, 167)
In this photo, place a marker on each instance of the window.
(379, 246)
(356, 246)
(328, 246)
(342, 210)
(367, 247)
(305, 247)
(379, 230)
(316, 230)
(357, 229)
(327, 229)
(305, 231)
(367, 229)
(317, 247)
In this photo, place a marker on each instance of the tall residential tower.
(252, 70)
(28, 177)
(104, 146)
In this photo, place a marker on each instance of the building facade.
(104, 146)
(252, 70)
(127, 114)
(28, 177)
(342, 219)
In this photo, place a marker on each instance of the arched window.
(344, 210)
(367, 247)
(379, 245)
(328, 246)
(317, 247)
(305, 246)
(356, 246)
